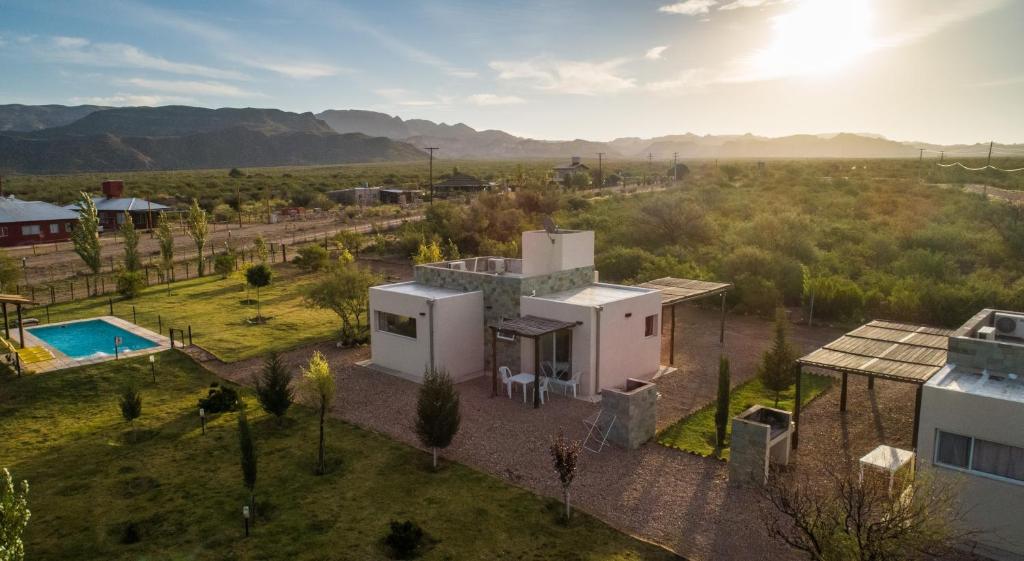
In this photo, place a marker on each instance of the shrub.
(219, 399)
(224, 264)
(405, 539)
(777, 363)
(312, 258)
(836, 297)
(273, 387)
(437, 411)
(130, 283)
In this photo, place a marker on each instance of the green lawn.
(696, 433)
(183, 491)
(216, 309)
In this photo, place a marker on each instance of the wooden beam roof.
(15, 299)
(532, 326)
(674, 291)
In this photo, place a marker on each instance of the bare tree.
(842, 516)
(565, 456)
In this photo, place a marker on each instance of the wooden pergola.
(530, 327)
(18, 301)
(892, 351)
(676, 291)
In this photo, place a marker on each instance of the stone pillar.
(634, 408)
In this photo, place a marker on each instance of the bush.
(312, 258)
(405, 539)
(224, 264)
(219, 399)
(130, 283)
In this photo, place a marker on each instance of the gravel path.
(670, 497)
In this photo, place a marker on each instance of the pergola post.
(21, 328)
(721, 332)
(672, 338)
(842, 394)
(917, 415)
(871, 381)
(796, 405)
(7, 324)
(536, 372)
(494, 362)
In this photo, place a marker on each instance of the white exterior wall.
(992, 506)
(570, 250)
(625, 351)
(458, 333)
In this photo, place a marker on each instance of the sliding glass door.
(556, 354)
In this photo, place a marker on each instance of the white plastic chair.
(506, 378)
(543, 389)
(572, 383)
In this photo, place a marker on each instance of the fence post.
(33, 291)
(87, 287)
(170, 331)
(284, 253)
(53, 295)
(189, 335)
(159, 324)
(134, 319)
(103, 285)
(47, 314)
(72, 290)
(186, 269)
(110, 302)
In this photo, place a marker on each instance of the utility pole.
(650, 158)
(600, 170)
(942, 156)
(431, 150)
(675, 166)
(920, 159)
(988, 162)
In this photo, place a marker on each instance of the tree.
(345, 291)
(131, 244)
(451, 251)
(273, 387)
(165, 237)
(565, 456)
(259, 275)
(850, 518)
(14, 515)
(261, 248)
(198, 229)
(776, 368)
(722, 404)
(86, 235)
(9, 272)
(130, 283)
(312, 258)
(248, 460)
(320, 382)
(437, 411)
(224, 264)
(131, 404)
(428, 252)
(236, 173)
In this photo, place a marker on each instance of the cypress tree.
(437, 411)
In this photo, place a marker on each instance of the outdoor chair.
(546, 369)
(573, 383)
(599, 426)
(506, 378)
(543, 389)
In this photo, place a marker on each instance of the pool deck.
(62, 361)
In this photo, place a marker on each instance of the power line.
(958, 164)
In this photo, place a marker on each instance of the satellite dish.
(550, 226)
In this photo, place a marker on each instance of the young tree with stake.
(776, 368)
(165, 237)
(259, 275)
(320, 383)
(437, 411)
(86, 236)
(198, 229)
(132, 262)
(565, 456)
(273, 387)
(722, 405)
(131, 405)
(248, 460)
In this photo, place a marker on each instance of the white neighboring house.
(972, 428)
(446, 315)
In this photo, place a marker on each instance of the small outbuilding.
(112, 207)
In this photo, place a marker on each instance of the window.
(32, 230)
(54, 228)
(3, 231)
(67, 227)
(394, 323)
(651, 325)
(980, 456)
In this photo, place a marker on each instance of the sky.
(947, 71)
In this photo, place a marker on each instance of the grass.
(217, 309)
(696, 433)
(182, 491)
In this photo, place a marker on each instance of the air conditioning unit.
(987, 333)
(1010, 325)
(497, 265)
(457, 265)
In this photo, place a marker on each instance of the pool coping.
(61, 361)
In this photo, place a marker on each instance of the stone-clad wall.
(997, 357)
(748, 452)
(634, 410)
(501, 296)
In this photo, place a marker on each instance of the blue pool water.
(95, 337)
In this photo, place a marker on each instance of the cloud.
(737, 4)
(654, 53)
(916, 30)
(77, 50)
(217, 89)
(130, 100)
(566, 76)
(1001, 82)
(405, 98)
(686, 81)
(689, 7)
(494, 99)
(297, 70)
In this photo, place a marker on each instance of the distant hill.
(16, 117)
(178, 137)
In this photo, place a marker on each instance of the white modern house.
(972, 428)
(545, 312)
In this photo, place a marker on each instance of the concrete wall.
(993, 506)
(459, 334)
(582, 338)
(625, 351)
(404, 354)
(545, 253)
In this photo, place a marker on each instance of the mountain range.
(62, 139)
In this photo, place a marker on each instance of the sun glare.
(816, 37)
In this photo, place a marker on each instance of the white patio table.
(524, 379)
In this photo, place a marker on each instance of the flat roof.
(595, 294)
(887, 457)
(979, 382)
(674, 291)
(417, 289)
(895, 351)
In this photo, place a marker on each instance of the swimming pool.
(90, 338)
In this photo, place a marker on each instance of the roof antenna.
(551, 228)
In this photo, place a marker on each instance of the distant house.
(568, 171)
(460, 182)
(112, 208)
(29, 222)
(359, 196)
(679, 171)
(399, 196)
